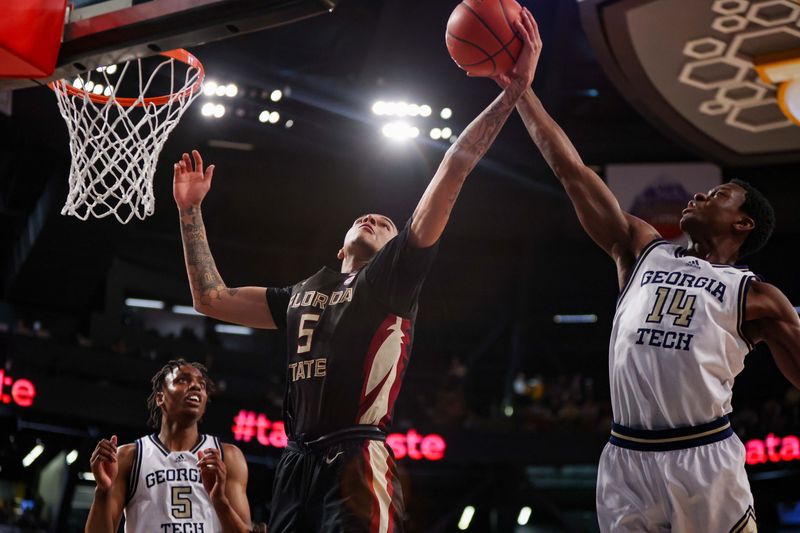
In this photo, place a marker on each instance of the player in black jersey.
(349, 334)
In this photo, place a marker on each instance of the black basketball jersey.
(349, 338)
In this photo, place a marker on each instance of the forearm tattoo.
(205, 281)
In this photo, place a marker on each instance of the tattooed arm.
(246, 306)
(433, 210)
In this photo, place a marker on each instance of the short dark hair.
(160, 378)
(760, 210)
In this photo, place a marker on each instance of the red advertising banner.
(249, 426)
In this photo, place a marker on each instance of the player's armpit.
(245, 306)
(770, 317)
(106, 510)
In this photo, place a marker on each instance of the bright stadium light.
(276, 95)
(289, 124)
(466, 517)
(85, 476)
(208, 109)
(89, 86)
(524, 516)
(400, 131)
(219, 110)
(98, 89)
(446, 113)
(72, 457)
(143, 303)
(35, 452)
(401, 109)
(220, 90)
(233, 330)
(413, 110)
(108, 90)
(185, 310)
(263, 117)
(77, 83)
(231, 90)
(274, 117)
(210, 88)
(379, 108)
(447, 133)
(436, 134)
(425, 110)
(111, 69)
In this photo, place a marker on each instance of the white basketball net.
(115, 147)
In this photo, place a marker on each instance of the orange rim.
(180, 54)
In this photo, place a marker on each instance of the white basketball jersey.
(676, 343)
(166, 493)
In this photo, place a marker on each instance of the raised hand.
(528, 59)
(213, 473)
(190, 185)
(104, 463)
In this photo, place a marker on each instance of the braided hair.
(159, 379)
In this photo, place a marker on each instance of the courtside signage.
(772, 449)
(249, 426)
(17, 391)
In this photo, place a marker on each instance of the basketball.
(481, 38)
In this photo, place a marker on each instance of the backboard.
(105, 32)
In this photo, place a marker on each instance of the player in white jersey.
(177, 480)
(685, 320)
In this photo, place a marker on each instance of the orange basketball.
(481, 38)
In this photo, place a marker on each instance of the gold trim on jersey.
(672, 439)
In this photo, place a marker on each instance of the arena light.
(263, 117)
(276, 95)
(35, 452)
(221, 90)
(436, 134)
(143, 303)
(231, 90)
(466, 517)
(274, 117)
(378, 108)
(289, 124)
(111, 69)
(72, 457)
(185, 310)
(210, 88)
(446, 113)
(77, 83)
(85, 476)
(108, 90)
(425, 110)
(98, 89)
(400, 131)
(575, 319)
(232, 330)
(219, 111)
(447, 133)
(89, 86)
(208, 109)
(524, 516)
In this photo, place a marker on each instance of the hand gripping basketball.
(104, 463)
(190, 185)
(528, 59)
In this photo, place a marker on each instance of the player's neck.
(177, 436)
(352, 264)
(718, 250)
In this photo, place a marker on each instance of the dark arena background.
(505, 406)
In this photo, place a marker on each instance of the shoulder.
(765, 300)
(126, 455)
(232, 454)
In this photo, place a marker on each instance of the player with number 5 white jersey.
(176, 480)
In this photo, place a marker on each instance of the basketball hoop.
(115, 142)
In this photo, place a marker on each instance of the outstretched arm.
(771, 318)
(433, 210)
(620, 234)
(245, 305)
